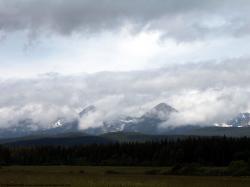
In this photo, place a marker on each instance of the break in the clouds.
(202, 93)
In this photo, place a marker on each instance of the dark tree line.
(209, 151)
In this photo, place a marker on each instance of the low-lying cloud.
(203, 93)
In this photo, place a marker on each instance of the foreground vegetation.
(78, 176)
(206, 151)
(190, 156)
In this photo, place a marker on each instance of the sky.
(59, 56)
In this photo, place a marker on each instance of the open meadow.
(83, 176)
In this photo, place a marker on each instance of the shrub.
(238, 168)
(186, 169)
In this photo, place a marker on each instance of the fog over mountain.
(202, 93)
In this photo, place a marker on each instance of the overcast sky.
(193, 54)
(40, 36)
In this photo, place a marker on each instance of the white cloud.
(202, 92)
(209, 106)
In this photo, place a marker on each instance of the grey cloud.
(179, 19)
(202, 92)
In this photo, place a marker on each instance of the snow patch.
(222, 125)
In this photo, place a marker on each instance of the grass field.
(81, 176)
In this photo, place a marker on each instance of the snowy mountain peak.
(164, 108)
(161, 110)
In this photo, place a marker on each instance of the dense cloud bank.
(203, 93)
(182, 20)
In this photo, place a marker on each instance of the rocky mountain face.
(160, 111)
(241, 120)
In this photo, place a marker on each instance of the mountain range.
(146, 125)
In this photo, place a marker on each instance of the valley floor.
(83, 176)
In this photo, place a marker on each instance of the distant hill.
(72, 139)
(138, 137)
(219, 131)
(59, 141)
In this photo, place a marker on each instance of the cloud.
(41, 115)
(203, 93)
(182, 20)
(209, 106)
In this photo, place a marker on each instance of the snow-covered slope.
(241, 120)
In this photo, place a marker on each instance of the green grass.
(81, 176)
